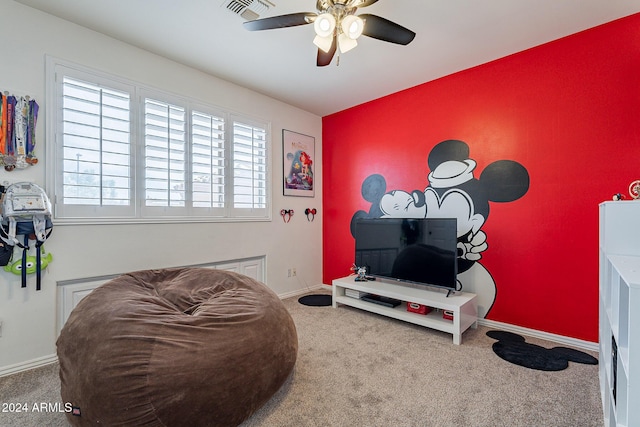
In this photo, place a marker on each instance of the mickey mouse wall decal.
(286, 214)
(310, 213)
(453, 191)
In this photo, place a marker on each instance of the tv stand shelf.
(462, 304)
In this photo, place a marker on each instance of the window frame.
(138, 212)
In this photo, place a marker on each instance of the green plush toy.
(16, 267)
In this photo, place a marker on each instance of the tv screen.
(421, 251)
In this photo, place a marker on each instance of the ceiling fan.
(338, 27)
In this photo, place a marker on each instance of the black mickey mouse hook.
(286, 214)
(310, 213)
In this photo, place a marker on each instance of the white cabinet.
(619, 326)
(462, 305)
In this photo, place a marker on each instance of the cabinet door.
(254, 269)
(228, 266)
(70, 295)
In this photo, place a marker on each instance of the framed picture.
(298, 153)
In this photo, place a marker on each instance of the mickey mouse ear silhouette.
(513, 348)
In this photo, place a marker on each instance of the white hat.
(452, 173)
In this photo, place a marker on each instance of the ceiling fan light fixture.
(336, 25)
(345, 43)
(324, 25)
(352, 26)
(323, 43)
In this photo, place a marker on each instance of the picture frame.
(298, 154)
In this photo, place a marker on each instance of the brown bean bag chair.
(175, 347)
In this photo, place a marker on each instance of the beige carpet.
(359, 369)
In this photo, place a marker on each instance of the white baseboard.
(567, 341)
(560, 339)
(46, 360)
(304, 291)
(30, 364)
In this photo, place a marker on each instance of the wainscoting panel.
(71, 292)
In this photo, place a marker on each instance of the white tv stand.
(462, 304)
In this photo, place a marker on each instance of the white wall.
(29, 316)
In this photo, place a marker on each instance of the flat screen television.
(414, 251)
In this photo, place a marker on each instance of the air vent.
(248, 9)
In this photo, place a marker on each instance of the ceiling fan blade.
(281, 21)
(383, 29)
(324, 58)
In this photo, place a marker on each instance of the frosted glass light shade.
(352, 26)
(345, 43)
(323, 43)
(324, 25)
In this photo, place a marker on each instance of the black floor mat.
(321, 300)
(513, 348)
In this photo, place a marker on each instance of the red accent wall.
(568, 111)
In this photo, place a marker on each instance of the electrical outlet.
(289, 273)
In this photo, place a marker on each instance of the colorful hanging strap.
(9, 159)
(3, 124)
(20, 130)
(18, 118)
(31, 132)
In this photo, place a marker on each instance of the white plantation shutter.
(207, 160)
(249, 168)
(127, 152)
(94, 149)
(165, 154)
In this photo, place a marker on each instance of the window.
(126, 152)
(96, 134)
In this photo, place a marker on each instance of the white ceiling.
(452, 35)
